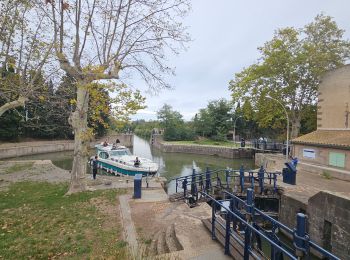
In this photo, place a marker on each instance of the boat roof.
(110, 147)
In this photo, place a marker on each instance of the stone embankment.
(10, 150)
(221, 151)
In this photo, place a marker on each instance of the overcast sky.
(226, 34)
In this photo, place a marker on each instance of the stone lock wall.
(329, 222)
(226, 152)
(40, 147)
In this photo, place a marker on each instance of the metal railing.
(208, 179)
(241, 215)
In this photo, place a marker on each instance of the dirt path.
(38, 170)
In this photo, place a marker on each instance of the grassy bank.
(39, 222)
(207, 142)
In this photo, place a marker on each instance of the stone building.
(328, 148)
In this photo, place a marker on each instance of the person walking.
(94, 168)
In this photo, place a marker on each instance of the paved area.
(128, 225)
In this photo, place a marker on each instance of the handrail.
(291, 232)
(250, 227)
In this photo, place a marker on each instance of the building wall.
(333, 99)
(321, 155)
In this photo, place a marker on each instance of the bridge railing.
(243, 214)
(205, 180)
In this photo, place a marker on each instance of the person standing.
(94, 168)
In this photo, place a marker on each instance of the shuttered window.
(337, 159)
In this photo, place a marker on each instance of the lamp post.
(234, 130)
(287, 147)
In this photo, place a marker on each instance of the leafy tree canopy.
(290, 69)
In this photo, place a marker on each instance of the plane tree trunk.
(82, 136)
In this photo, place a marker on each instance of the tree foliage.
(215, 120)
(290, 69)
(174, 126)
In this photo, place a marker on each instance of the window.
(337, 159)
(103, 155)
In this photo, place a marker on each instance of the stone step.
(171, 239)
(152, 250)
(162, 247)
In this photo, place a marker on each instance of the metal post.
(300, 236)
(176, 186)
(193, 183)
(213, 236)
(250, 215)
(241, 177)
(201, 182)
(227, 233)
(184, 186)
(261, 179)
(207, 179)
(274, 183)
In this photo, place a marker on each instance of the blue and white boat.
(117, 160)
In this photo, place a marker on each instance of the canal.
(171, 165)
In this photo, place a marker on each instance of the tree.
(214, 120)
(23, 53)
(110, 40)
(290, 69)
(174, 126)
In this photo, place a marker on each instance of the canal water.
(171, 165)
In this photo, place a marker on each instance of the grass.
(326, 175)
(207, 142)
(39, 222)
(19, 167)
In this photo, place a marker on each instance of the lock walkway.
(240, 226)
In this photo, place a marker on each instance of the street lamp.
(234, 130)
(287, 147)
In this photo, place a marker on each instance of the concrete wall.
(335, 209)
(333, 99)
(225, 152)
(289, 208)
(30, 148)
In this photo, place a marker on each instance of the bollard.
(300, 236)
(176, 184)
(261, 179)
(241, 177)
(207, 179)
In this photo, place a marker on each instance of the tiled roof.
(334, 138)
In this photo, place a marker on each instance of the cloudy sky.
(226, 34)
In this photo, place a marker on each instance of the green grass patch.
(19, 167)
(207, 142)
(326, 175)
(39, 222)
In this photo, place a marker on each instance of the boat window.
(104, 155)
(119, 153)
